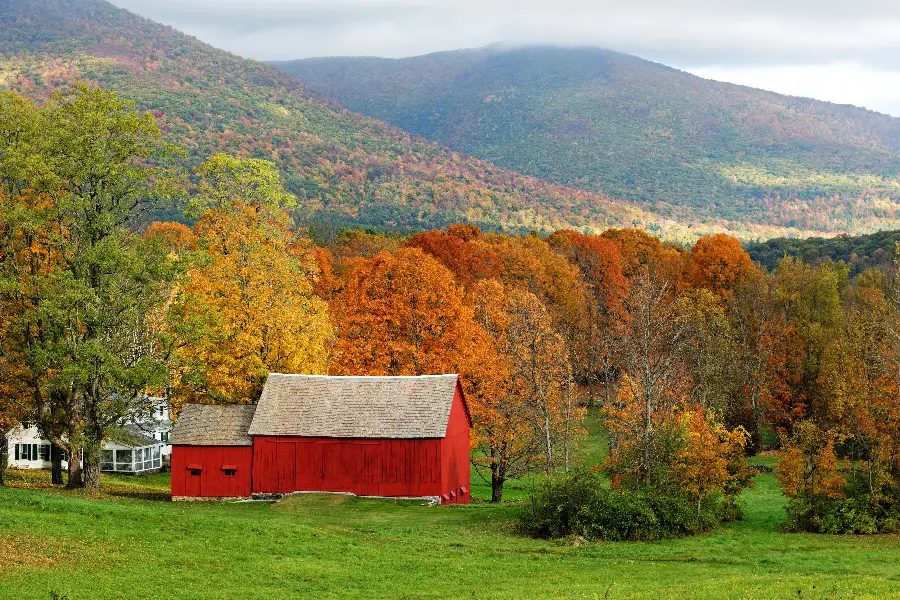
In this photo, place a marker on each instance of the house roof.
(131, 435)
(213, 425)
(355, 407)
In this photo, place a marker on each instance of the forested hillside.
(876, 250)
(616, 124)
(342, 166)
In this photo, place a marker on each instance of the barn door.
(309, 466)
(286, 467)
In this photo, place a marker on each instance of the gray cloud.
(694, 31)
(740, 35)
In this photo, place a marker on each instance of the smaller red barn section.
(372, 436)
(212, 453)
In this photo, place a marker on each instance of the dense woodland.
(607, 122)
(694, 356)
(876, 250)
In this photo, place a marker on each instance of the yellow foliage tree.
(248, 308)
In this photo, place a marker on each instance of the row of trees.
(695, 355)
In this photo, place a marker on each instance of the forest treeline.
(695, 356)
(872, 251)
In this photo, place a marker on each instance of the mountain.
(344, 167)
(610, 123)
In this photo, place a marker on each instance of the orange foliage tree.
(529, 416)
(719, 263)
(599, 263)
(458, 249)
(401, 314)
(711, 458)
(176, 236)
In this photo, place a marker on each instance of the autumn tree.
(808, 469)
(652, 355)
(711, 458)
(529, 415)
(599, 263)
(177, 237)
(506, 437)
(718, 263)
(85, 337)
(401, 314)
(458, 248)
(711, 350)
(247, 308)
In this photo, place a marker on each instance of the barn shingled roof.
(355, 407)
(213, 425)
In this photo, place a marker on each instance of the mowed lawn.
(131, 542)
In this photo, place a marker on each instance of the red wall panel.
(362, 466)
(455, 469)
(212, 482)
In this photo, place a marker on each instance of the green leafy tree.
(86, 329)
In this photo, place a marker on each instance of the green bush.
(580, 505)
(858, 514)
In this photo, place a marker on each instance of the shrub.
(580, 505)
(855, 514)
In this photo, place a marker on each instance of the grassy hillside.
(343, 166)
(616, 124)
(131, 543)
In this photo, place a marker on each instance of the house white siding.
(27, 450)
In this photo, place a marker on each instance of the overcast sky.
(836, 50)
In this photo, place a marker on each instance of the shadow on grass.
(153, 487)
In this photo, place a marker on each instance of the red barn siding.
(455, 469)
(212, 481)
(361, 466)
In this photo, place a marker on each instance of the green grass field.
(131, 542)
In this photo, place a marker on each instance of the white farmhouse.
(137, 446)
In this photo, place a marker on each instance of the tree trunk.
(56, 465)
(497, 482)
(92, 467)
(74, 479)
(4, 455)
(74, 431)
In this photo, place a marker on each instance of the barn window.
(195, 470)
(229, 470)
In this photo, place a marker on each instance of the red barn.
(212, 453)
(372, 436)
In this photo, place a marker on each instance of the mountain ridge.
(344, 167)
(669, 140)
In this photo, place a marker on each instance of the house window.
(124, 460)
(157, 458)
(164, 437)
(26, 451)
(106, 460)
(44, 452)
